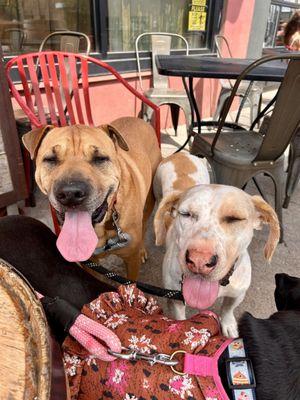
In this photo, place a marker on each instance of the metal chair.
(160, 93)
(46, 105)
(68, 41)
(249, 92)
(236, 157)
(17, 38)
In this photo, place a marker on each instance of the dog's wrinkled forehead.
(216, 200)
(75, 140)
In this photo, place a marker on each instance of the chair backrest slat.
(85, 87)
(57, 93)
(285, 118)
(161, 45)
(65, 87)
(75, 88)
(35, 87)
(48, 89)
(26, 88)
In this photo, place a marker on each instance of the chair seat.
(243, 87)
(238, 147)
(165, 93)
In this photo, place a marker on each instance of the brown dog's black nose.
(71, 193)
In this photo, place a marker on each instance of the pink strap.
(203, 366)
(198, 365)
(83, 331)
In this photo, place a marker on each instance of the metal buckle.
(251, 385)
(156, 358)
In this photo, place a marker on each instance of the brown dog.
(88, 173)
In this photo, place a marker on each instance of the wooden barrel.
(25, 361)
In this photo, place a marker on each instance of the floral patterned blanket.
(139, 323)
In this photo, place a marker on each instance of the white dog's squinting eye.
(186, 214)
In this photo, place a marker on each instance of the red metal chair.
(61, 96)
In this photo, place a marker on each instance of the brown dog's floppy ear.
(268, 216)
(33, 139)
(163, 217)
(115, 135)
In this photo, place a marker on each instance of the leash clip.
(152, 359)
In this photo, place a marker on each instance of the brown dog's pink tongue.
(198, 293)
(77, 239)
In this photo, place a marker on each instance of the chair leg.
(292, 181)
(293, 170)
(188, 121)
(225, 93)
(147, 113)
(254, 98)
(30, 181)
(175, 116)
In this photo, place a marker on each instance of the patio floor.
(259, 300)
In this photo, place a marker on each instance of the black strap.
(61, 313)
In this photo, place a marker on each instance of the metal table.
(215, 68)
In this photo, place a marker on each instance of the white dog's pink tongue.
(198, 293)
(77, 239)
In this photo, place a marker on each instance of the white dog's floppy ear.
(268, 216)
(115, 135)
(163, 216)
(33, 139)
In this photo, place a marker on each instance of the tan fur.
(132, 147)
(33, 139)
(183, 167)
(268, 216)
(163, 217)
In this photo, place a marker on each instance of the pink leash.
(85, 331)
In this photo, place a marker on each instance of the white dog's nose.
(201, 261)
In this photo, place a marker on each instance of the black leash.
(150, 289)
(145, 287)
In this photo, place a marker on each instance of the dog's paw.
(229, 327)
(144, 255)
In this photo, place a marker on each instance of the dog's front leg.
(133, 263)
(179, 309)
(234, 294)
(228, 320)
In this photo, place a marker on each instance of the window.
(129, 18)
(280, 13)
(112, 25)
(25, 23)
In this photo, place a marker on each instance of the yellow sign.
(197, 21)
(199, 2)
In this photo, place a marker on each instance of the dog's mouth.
(96, 217)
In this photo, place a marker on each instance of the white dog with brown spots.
(207, 230)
